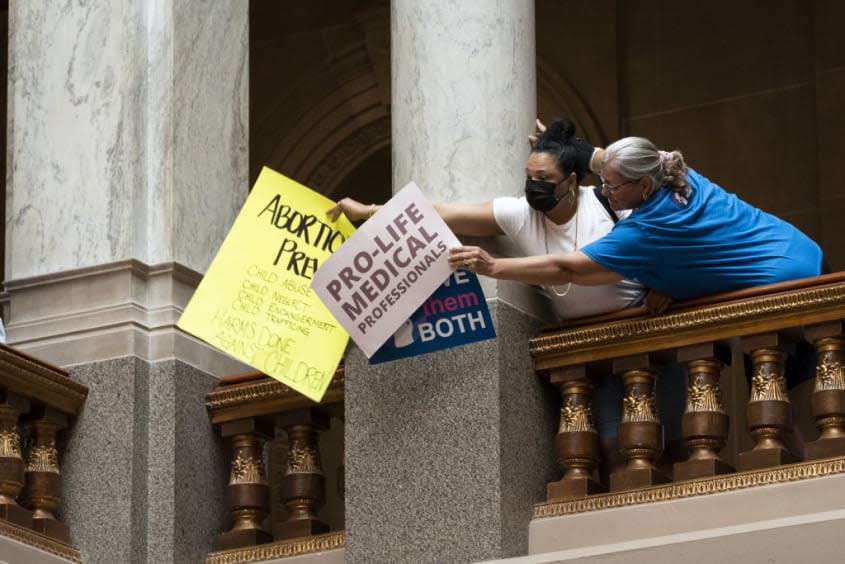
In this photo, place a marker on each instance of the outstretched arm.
(352, 209)
(474, 220)
(541, 270)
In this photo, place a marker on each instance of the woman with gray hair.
(686, 237)
(557, 215)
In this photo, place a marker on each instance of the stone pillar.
(446, 454)
(127, 154)
(463, 96)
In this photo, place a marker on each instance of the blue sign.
(455, 314)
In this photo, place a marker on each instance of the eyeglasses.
(615, 187)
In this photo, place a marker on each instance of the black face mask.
(541, 194)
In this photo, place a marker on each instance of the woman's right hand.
(541, 128)
(352, 209)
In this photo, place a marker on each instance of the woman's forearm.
(542, 270)
(475, 220)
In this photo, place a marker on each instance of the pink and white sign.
(386, 269)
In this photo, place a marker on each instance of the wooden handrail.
(241, 378)
(724, 297)
(40, 381)
(254, 394)
(775, 307)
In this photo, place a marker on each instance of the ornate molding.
(133, 266)
(122, 308)
(43, 458)
(726, 320)
(638, 407)
(768, 384)
(829, 374)
(231, 396)
(703, 486)
(264, 397)
(280, 549)
(575, 418)
(39, 541)
(10, 444)
(303, 459)
(704, 397)
(41, 382)
(247, 471)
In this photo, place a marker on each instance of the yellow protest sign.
(255, 302)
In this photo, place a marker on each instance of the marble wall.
(144, 471)
(446, 458)
(127, 132)
(127, 163)
(76, 73)
(210, 126)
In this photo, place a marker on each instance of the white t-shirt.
(534, 234)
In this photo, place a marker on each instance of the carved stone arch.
(349, 153)
(556, 96)
(343, 127)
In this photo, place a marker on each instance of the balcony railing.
(700, 335)
(274, 435)
(37, 403)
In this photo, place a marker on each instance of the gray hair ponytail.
(637, 157)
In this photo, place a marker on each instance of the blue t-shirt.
(705, 242)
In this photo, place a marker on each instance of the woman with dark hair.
(556, 216)
(686, 237)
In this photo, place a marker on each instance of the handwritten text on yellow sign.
(255, 302)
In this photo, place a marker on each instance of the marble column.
(127, 163)
(463, 96)
(446, 454)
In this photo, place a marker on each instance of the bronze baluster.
(304, 484)
(769, 410)
(578, 450)
(247, 494)
(11, 463)
(640, 434)
(705, 422)
(43, 490)
(828, 398)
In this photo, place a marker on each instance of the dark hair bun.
(561, 130)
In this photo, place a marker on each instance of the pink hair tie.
(664, 156)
